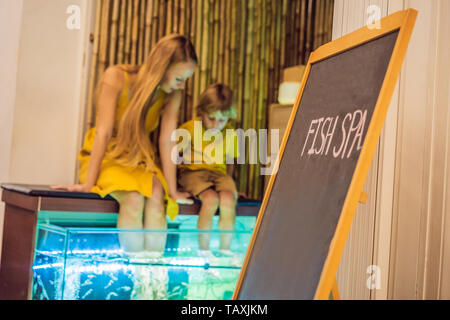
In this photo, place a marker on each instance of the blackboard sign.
(332, 134)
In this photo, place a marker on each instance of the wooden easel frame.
(404, 22)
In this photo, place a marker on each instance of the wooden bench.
(22, 205)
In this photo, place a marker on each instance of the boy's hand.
(182, 197)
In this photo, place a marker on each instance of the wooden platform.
(22, 204)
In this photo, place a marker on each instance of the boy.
(206, 175)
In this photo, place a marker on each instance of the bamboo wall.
(243, 44)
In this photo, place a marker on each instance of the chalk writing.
(322, 134)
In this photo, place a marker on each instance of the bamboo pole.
(128, 23)
(176, 16)
(297, 54)
(221, 41)
(241, 37)
(142, 26)
(275, 73)
(270, 48)
(265, 43)
(323, 30)
(242, 50)
(283, 34)
(113, 27)
(169, 17)
(227, 49)
(94, 66)
(261, 91)
(121, 41)
(249, 62)
(191, 19)
(191, 24)
(277, 53)
(295, 30)
(321, 21)
(303, 17)
(134, 32)
(198, 44)
(296, 35)
(233, 45)
(243, 172)
(215, 51)
(252, 173)
(205, 47)
(315, 24)
(309, 29)
(290, 31)
(182, 10)
(162, 19)
(155, 23)
(329, 23)
(234, 56)
(103, 50)
(210, 44)
(148, 28)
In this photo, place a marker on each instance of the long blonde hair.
(132, 145)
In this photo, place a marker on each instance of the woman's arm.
(110, 88)
(169, 121)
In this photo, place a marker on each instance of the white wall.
(412, 229)
(47, 113)
(10, 22)
(419, 267)
(43, 87)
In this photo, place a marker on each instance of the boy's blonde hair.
(217, 97)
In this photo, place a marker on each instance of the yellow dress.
(113, 176)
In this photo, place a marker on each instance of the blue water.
(89, 264)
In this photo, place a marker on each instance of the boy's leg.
(227, 203)
(155, 218)
(210, 203)
(198, 183)
(226, 188)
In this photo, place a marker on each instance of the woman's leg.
(227, 203)
(210, 203)
(130, 217)
(155, 218)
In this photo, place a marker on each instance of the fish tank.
(80, 258)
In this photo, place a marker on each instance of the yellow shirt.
(206, 149)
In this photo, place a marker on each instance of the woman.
(118, 158)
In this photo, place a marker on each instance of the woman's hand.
(74, 188)
(182, 197)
